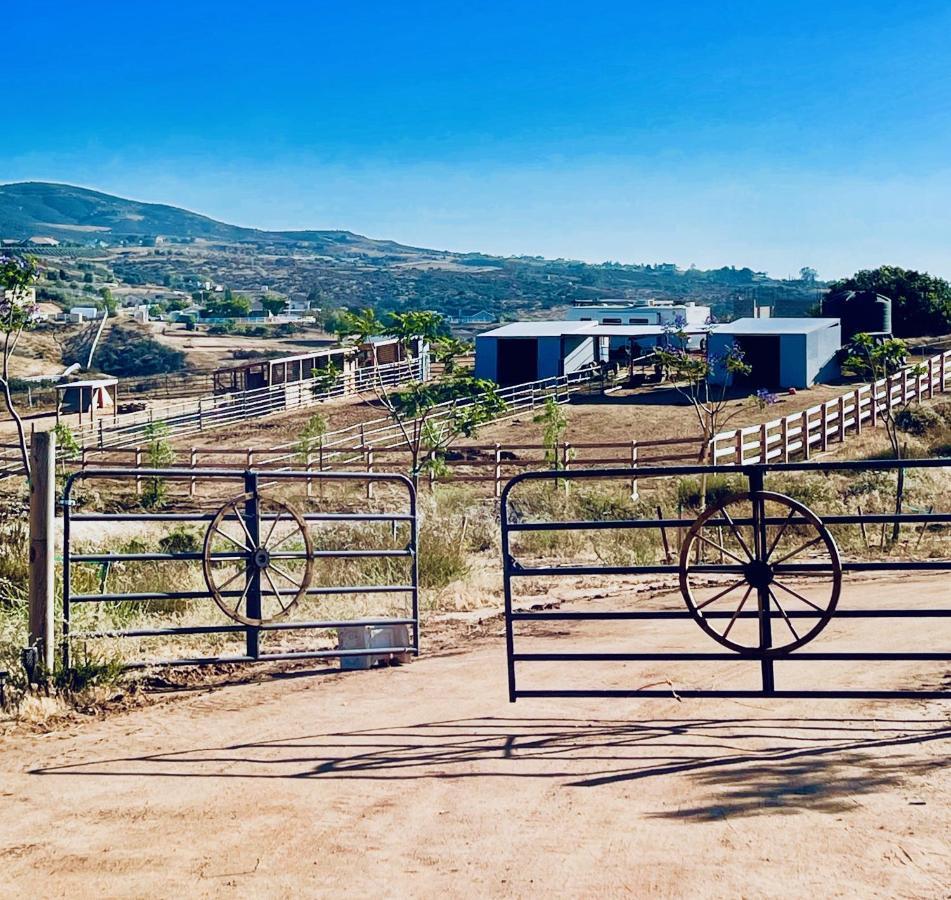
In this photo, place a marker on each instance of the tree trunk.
(18, 422)
(899, 495)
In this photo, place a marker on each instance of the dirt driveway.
(424, 781)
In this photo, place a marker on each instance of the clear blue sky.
(768, 134)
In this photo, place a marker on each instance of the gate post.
(253, 574)
(760, 551)
(42, 545)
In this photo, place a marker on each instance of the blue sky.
(768, 134)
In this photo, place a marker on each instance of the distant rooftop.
(581, 327)
(790, 325)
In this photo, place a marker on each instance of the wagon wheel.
(774, 568)
(257, 547)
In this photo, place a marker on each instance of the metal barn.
(783, 353)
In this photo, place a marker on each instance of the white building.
(668, 313)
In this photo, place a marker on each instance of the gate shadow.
(752, 765)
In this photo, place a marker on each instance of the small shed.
(782, 352)
(94, 397)
(529, 351)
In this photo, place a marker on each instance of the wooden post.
(930, 378)
(942, 372)
(634, 494)
(841, 418)
(739, 446)
(805, 434)
(824, 422)
(310, 490)
(192, 464)
(42, 546)
(784, 438)
(498, 470)
(368, 461)
(763, 443)
(858, 410)
(874, 409)
(138, 466)
(201, 418)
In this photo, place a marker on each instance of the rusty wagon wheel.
(766, 554)
(258, 559)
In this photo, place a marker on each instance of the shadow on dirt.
(746, 766)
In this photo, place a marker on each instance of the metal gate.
(756, 608)
(255, 567)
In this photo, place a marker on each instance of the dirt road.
(424, 781)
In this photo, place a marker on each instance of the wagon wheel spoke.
(284, 539)
(240, 517)
(243, 597)
(277, 518)
(737, 611)
(295, 581)
(723, 550)
(234, 577)
(798, 550)
(277, 593)
(225, 534)
(782, 530)
(798, 596)
(736, 533)
(723, 593)
(779, 606)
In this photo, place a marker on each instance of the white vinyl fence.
(802, 434)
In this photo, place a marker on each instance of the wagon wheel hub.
(261, 558)
(759, 574)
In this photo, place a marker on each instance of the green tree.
(66, 445)
(109, 303)
(921, 303)
(159, 454)
(430, 416)
(310, 437)
(235, 307)
(554, 425)
(447, 350)
(876, 360)
(18, 274)
(324, 379)
(273, 304)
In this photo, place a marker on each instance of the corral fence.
(758, 572)
(220, 410)
(263, 572)
(799, 435)
(379, 444)
(484, 464)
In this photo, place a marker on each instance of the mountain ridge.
(83, 215)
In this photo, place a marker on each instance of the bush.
(719, 487)
(442, 556)
(918, 420)
(128, 351)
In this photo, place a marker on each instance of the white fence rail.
(219, 410)
(802, 434)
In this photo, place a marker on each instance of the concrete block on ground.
(367, 637)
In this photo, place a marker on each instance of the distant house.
(39, 240)
(482, 317)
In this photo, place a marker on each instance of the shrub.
(442, 555)
(918, 420)
(719, 487)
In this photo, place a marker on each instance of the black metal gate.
(756, 607)
(257, 559)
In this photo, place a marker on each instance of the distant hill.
(76, 214)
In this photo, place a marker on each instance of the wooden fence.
(800, 435)
(485, 464)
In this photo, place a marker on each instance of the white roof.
(750, 325)
(580, 327)
(88, 383)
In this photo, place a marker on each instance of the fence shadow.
(750, 765)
